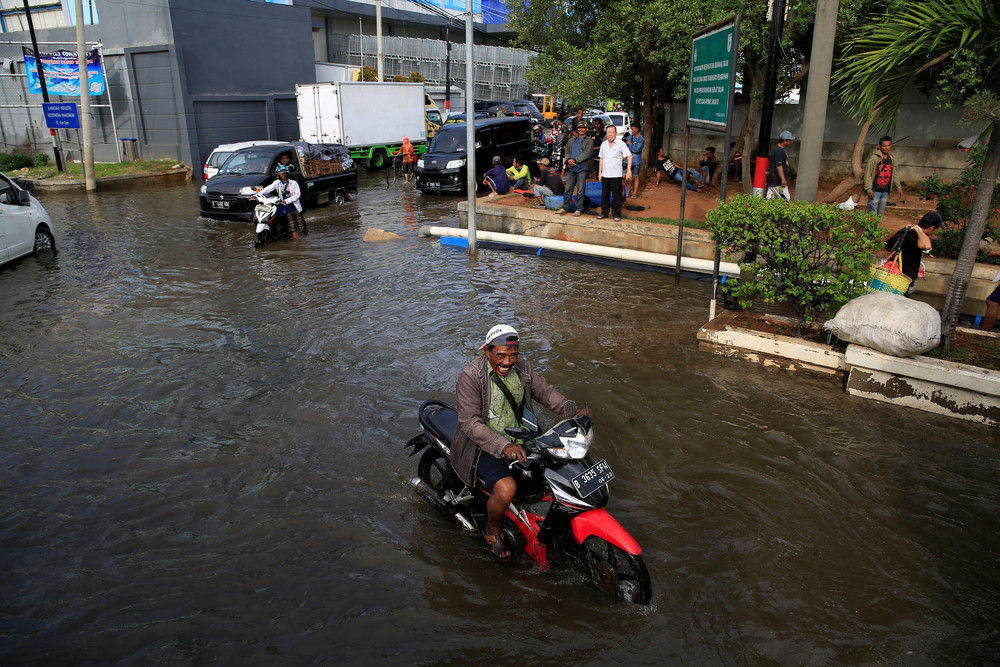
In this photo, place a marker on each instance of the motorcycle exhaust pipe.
(437, 502)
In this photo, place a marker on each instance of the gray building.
(186, 75)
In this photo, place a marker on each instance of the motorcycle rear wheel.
(614, 570)
(435, 470)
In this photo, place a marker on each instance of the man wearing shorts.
(495, 392)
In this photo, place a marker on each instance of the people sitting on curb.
(496, 178)
(693, 180)
(518, 175)
(708, 165)
(993, 300)
(549, 183)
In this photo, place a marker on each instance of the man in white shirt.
(609, 172)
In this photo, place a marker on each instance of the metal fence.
(22, 121)
(499, 71)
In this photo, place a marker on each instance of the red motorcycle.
(559, 509)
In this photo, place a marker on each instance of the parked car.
(25, 225)
(532, 110)
(325, 173)
(460, 117)
(443, 167)
(509, 108)
(620, 120)
(221, 153)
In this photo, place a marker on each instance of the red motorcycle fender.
(601, 524)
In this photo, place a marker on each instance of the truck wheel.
(339, 198)
(378, 159)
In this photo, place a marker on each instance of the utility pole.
(470, 128)
(447, 71)
(89, 177)
(378, 39)
(767, 107)
(41, 81)
(817, 96)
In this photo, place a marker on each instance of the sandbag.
(889, 323)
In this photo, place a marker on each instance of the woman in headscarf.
(409, 158)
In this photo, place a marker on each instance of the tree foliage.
(961, 39)
(815, 257)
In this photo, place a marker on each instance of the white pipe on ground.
(620, 254)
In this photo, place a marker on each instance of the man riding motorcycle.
(289, 193)
(490, 399)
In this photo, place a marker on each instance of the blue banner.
(62, 72)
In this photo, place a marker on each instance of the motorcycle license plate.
(220, 204)
(593, 478)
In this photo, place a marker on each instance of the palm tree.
(964, 37)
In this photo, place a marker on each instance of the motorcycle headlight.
(455, 164)
(204, 189)
(420, 163)
(572, 446)
(247, 191)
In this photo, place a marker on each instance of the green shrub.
(813, 257)
(41, 159)
(12, 161)
(953, 200)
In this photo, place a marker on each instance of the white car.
(25, 226)
(222, 152)
(621, 122)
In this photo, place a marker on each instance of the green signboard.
(712, 60)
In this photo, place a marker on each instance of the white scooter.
(269, 226)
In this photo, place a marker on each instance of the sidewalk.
(664, 202)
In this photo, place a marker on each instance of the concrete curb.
(107, 182)
(931, 385)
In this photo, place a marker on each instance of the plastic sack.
(889, 323)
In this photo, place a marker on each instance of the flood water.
(202, 461)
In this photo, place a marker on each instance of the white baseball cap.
(501, 334)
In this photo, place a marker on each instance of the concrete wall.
(925, 137)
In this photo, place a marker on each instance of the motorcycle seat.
(440, 419)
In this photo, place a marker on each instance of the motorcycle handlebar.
(528, 459)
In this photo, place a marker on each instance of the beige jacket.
(473, 394)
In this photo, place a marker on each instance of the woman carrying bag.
(910, 243)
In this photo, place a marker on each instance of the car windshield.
(247, 162)
(617, 118)
(448, 141)
(217, 158)
(434, 116)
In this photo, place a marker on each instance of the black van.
(442, 168)
(536, 115)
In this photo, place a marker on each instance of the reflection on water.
(203, 461)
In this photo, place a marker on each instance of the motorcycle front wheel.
(614, 570)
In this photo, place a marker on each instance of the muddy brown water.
(202, 461)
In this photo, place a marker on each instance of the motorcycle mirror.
(517, 432)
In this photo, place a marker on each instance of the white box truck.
(369, 117)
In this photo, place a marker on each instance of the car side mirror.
(23, 197)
